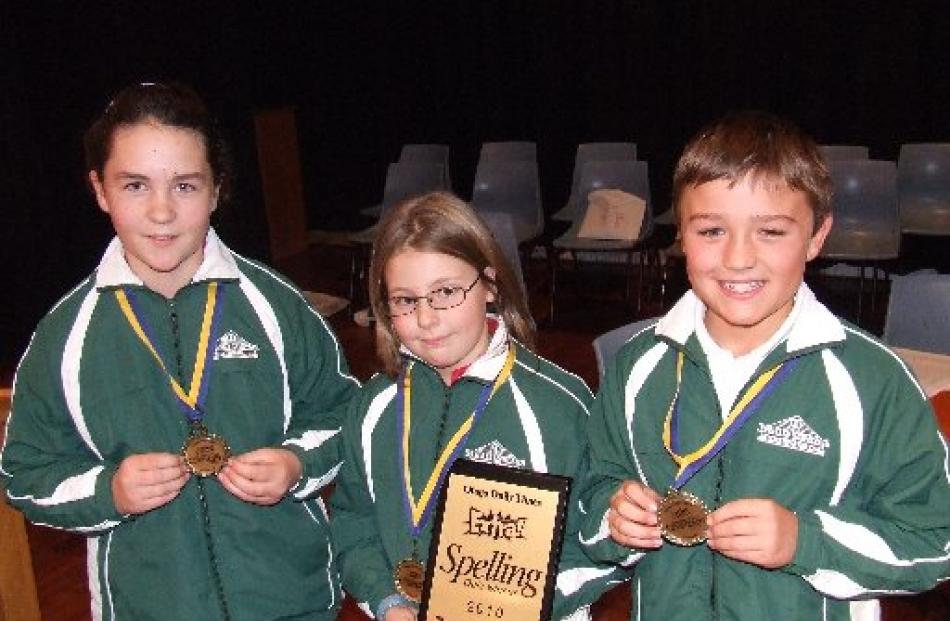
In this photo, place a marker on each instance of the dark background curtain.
(366, 77)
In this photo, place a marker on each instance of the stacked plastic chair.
(503, 230)
(924, 188)
(403, 180)
(593, 152)
(511, 187)
(866, 230)
(421, 154)
(629, 176)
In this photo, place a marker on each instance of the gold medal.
(205, 453)
(682, 518)
(409, 575)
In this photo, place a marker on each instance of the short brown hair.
(759, 144)
(441, 222)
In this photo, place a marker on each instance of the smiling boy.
(754, 456)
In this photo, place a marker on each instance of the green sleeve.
(890, 531)
(581, 581)
(54, 476)
(321, 388)
(611, 463)
(364, 569)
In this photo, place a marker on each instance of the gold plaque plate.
(205, 453)
(683, 518)
(409, 575)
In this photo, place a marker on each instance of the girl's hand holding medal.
(262, 477)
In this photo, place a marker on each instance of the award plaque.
(496, 541)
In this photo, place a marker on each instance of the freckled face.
(158, 188)
(746, 247)
(445, 339)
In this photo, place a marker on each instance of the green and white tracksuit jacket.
(535, 421)
(848, 442)
(88, 394)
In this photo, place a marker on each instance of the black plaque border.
(515, 476)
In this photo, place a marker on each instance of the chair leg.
(554, 261)
(643, 258)
(860, 294)
(354, 251)
(874, 289)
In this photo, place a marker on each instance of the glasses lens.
(446, 297)
(400, 306)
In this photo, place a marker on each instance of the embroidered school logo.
(233, 345)
(795, 434)
(494, 453)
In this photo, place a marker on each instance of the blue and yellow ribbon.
(418, 512)
(192, 399)
(746, 407)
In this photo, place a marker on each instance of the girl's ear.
(97, 189)
(490, 284)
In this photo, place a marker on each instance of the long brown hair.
(441, 222)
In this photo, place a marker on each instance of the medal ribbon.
(192, 400)
(747, 406)
(419, 511)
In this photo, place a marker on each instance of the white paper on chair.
(613, 215)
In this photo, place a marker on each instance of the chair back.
(408, 179)
(513, 188)
(843, 152)
(866, 224)
(594, 152)
(431, 153)
(503, 230)
(515, 151)
(924, 188)
(608, 344)
(918, 312)
(632, 177)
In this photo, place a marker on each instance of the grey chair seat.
(570, 241)
(862, 245)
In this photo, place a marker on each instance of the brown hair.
(172, 104)
(769, 148)
(441, 222)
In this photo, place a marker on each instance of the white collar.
(216, 264)
(813, 324)
(489, 364)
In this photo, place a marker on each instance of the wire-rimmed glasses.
(442, 298)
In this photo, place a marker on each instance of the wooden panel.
(18, 600)
(278, 158)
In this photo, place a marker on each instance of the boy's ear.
(492, 288)
(214, 197)
(818, 238)
(96, 184)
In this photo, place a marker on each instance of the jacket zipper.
(206, 517)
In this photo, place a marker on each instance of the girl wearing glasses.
(178, 407)
(436, 271)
